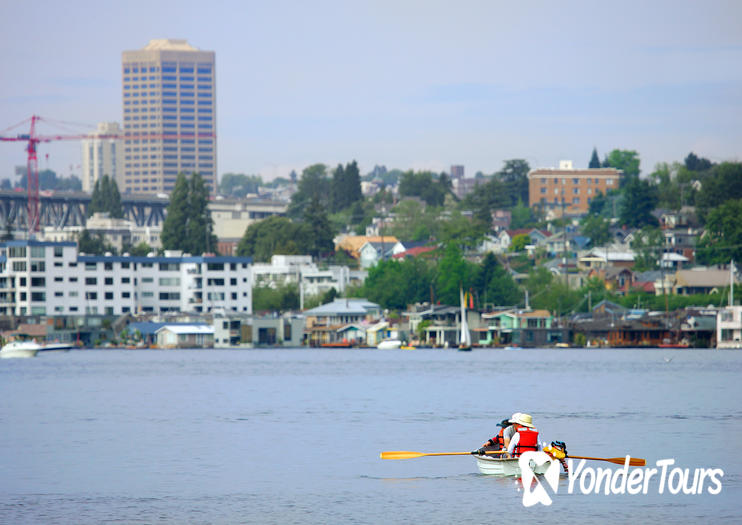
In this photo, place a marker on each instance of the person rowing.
(497, 442)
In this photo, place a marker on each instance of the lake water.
(293, 436)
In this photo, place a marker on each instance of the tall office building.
(169, 94)
(102, 156)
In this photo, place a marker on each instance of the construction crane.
(33, 139)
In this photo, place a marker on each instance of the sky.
(404, 84)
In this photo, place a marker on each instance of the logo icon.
(544, 470)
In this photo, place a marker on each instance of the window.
(169, 296)
(575, 181)
(543, 190)
(125, 295)
(90, 281)
(19, 266)
(58, 294)
(90, 265)
(38, 281)
(38, 297)
(109, 296)
(576, 200)
(125, 280)
(58, 251)
(91, 295)
(59, 279)
(147, 294)
(233, 282)
(576, 191)
(609, 182)
(109, 280)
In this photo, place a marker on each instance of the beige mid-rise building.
(169, 102)
(568, 191)
(103, 154)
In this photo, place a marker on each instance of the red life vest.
(528, 440)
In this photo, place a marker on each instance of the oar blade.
(633, 462)
(400, 454)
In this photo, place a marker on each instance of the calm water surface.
(293, 436)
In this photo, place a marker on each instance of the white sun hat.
(522, 419)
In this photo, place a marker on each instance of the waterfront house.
(324, 323)
(185, 336)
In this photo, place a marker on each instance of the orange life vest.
(528, 440)
(498, 441)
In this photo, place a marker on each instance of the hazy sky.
(417, 84)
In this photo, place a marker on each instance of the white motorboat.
(497, 466)
(20, 349)
(389, 344)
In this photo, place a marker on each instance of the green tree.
(275, 235)
(722, 183)
(188, 225)
(92, 244)
(640, 197)
(200, 225)
(625, 160)
(395, 284)
(694, 163)
(106, 198)
(514, 176)
(648, 247)
(594, 160)
(174, 227)
(463, 231)
(314, 183)
(519, 242)
(522, 217)
(424, 185)
(722, 240)
(665, 178)
(494, 285)
(453, 272)
(597, 228)
(275, 299)
(140, 250)
(318, 230)
(238, 185)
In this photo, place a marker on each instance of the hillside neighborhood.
(596, 257)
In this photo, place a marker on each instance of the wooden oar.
(406, 454)
(634, 462)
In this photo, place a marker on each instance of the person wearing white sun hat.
(521, 436)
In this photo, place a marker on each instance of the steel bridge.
(71, 209)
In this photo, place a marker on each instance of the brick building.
(568, 191)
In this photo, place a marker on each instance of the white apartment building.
(48, 278)
(293, 269)
(103, 156)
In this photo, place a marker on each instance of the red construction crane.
(33, 168)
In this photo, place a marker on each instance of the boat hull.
(16, 349)
(389, 344)
(495, 466)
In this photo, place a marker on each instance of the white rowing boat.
(497, 466)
